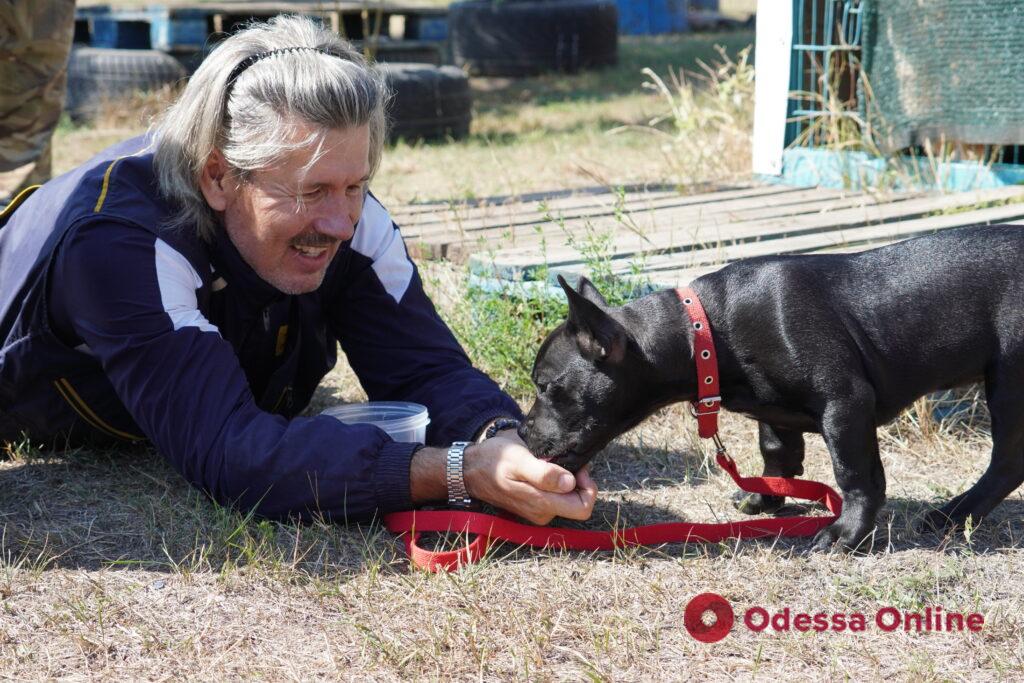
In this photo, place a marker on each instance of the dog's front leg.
(783, 453)
(848, 427)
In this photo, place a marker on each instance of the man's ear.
(214, 181)
(598, 336)
(590, 293)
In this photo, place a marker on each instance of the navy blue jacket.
(114, 327)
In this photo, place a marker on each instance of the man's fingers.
(540, 507)
(585, 482)
(578, 505)
(586, 489)
(545, 476)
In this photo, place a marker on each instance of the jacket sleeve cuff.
(485, 418)
(391, 481)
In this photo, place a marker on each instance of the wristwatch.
(453, 474)
(500, 425)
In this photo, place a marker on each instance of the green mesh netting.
(944, 67)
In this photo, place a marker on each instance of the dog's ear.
(598, 336)
(590, 293)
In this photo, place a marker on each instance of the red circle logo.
(693, 617)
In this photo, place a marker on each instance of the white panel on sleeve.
(178, 282)
(377, 238)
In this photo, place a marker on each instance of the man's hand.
(502, 472)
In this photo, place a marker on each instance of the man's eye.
(354, 190)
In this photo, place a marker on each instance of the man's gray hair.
(252, 121)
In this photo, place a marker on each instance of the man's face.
(288, 221)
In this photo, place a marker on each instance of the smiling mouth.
(310, 252)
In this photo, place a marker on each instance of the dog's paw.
(936, 522)
(837, 535)
(944, 520)
(755, 503)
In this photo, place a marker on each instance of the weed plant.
(503, 322)
(706, 131)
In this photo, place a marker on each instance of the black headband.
(253, 58)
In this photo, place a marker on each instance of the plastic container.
(404, 422)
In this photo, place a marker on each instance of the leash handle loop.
(490, 528)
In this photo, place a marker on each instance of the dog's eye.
(541, 388)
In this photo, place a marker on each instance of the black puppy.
(832, 344)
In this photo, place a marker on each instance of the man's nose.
(338, 219)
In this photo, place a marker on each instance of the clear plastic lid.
(391, 416)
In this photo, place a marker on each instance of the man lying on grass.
(190, 287)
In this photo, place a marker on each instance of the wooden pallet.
(187, 28)
(671, 238)
(455, 231)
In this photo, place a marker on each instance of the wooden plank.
(717, 204)
(458, 246)
(492, 214)
(759, 208)
(582, 194)
(666, 274)
(675, 238)
(505, 215)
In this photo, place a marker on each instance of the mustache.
(313, 241)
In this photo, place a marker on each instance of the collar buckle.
(708, 405)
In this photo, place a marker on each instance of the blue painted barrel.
(178, 29)
(653, 17)
(118, 32)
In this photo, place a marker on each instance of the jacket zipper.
(284, 401)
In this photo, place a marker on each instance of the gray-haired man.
(190, 288)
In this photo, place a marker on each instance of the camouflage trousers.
(35, 38)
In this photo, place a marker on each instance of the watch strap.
(454, 477)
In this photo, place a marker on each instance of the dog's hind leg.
(1005, 472)
(783, 453)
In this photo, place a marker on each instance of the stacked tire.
(430, 102)
(97, 75)
(528, 37)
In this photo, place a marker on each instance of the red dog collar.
(709, 398)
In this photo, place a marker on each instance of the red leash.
(490, 527)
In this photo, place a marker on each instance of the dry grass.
(113, 566)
